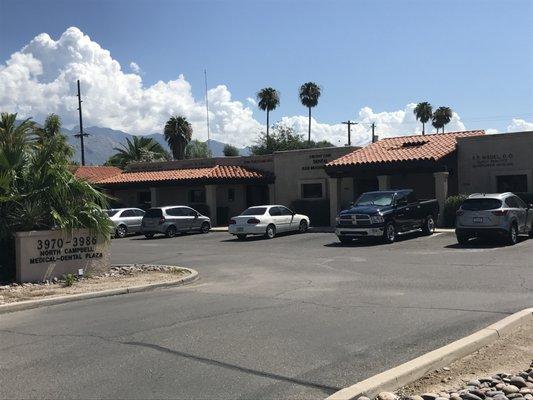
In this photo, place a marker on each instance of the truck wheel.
(121, 231)
(429, 225)
(171, 231)
(270, 232)
(345, 239)
(462, 239)
(241, 237)
(148, 235)
(389, 235)
(512, 236)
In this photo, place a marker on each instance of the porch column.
(441, 192)
(384, 182)
(153, 197)
(211, 201)
(271, 193)
(334, 198)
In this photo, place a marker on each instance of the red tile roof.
(405, 148)
(216, 172)
(95, 174)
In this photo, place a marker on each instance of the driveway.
(298, 316)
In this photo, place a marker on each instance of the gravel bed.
(500, 386)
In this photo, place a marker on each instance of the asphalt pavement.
(298, 316)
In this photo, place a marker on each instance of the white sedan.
(267, 221)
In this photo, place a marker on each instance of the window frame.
(320, 182)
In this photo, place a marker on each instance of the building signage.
(43, 255)
(317, 161)
(492, 160)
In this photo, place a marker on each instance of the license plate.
(477, 220)
(240, 229)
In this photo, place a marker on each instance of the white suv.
(503, 214)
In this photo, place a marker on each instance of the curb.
(412, 370)
(26, 305)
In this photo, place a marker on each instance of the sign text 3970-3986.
(75, 248)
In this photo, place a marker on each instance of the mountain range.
(100, 143)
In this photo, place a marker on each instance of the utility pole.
(349, 123)
(373, 134)
(81, 134)
(207, 108)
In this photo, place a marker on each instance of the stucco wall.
(236, 206)
(292, 168)
(483, 158)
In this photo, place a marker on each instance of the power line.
(349, 123)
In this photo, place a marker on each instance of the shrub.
(69, 280)
(450, 209)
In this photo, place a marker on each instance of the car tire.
(270, 231)
(345, 239)
(531, 234)
(512, 235)
(303, 226)
(241, 237)
(206, 226)
(171, 231)
(389, 233)
(121, 231)
(148, 235)
(462, 239)
(429, 225)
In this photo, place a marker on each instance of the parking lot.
(298, 316)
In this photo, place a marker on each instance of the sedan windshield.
(254, 211)
(110, 213)
(375, 199)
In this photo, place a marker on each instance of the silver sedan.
(125, 220)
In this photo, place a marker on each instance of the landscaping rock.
(387, 396)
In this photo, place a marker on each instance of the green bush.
(69, 280)
(450, 209)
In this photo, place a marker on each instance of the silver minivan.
(502, 214)
(172, 220)
(125, 220)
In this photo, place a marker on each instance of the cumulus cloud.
(135, 67)
(519, 125)
(41, 79)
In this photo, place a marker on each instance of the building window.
(312, 191)
(511, 183)
(197, 196)
(145, 199)
(231, 195)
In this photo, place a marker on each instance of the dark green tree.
(441, 117)
(230, 151)
(309, 94)
(423, 112)
(139, 149)
(283, 138)
(268, 100)
(178, 132)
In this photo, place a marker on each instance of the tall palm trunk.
(423, 128)
(309, 133)
(268, 123)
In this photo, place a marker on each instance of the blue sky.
(475, 56)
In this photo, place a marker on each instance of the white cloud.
(519, 125)
(135, 67)
(41, 79)
(491, 131)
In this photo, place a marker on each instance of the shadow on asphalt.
(255, 238)
(484, 243)
(325, 388)
(370, 242)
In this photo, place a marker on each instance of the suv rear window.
(154, 213)
(481, 204)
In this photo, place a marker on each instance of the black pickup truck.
(384, 214)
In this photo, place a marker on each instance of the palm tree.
(178, 132)
(268, 100)
(50, 134)
(423, 112)
(38, 190)
(140, 149)
(441, 117)
(309, 94)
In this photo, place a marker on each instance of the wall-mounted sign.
(492, 160)
(317, 161)
(42, 255)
